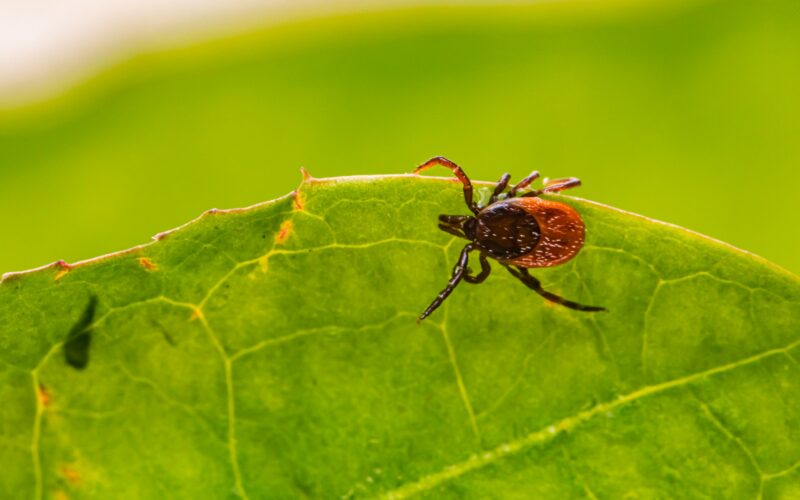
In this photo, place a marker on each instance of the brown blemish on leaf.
(43, 395)
(298, 201)
(306, 175)
(147, 264)
(63, 268)
(70, 474)
(284, 232)
(197, 313)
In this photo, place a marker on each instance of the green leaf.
(274, 352)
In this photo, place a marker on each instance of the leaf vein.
(715, 420)
(321, 330)
(462, 389)
(475, 462)
(784, 472)
(167, 398)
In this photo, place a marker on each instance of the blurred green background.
(684, 111)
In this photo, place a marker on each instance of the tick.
(519, 230)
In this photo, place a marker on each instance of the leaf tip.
(305, 174)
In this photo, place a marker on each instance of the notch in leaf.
(76, 346)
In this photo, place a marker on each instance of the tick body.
(517, 229)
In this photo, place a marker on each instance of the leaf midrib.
(497, 453)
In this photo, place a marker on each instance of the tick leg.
(458, 273)
(562, 184)
(481, 277)
(556, 185)
(524, 183)
(444, 162)
(522, 274)
(500, 187)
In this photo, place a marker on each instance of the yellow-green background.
(685, 111)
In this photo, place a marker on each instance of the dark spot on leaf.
(164, 333)
(76, 347)
(303, 488)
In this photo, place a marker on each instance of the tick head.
(460, 225)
